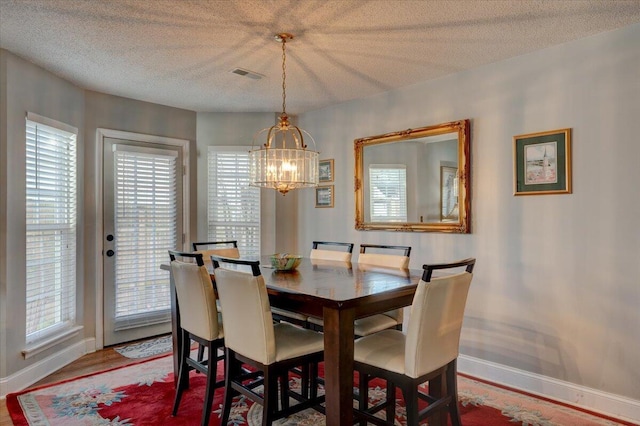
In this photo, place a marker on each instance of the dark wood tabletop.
(339, 293)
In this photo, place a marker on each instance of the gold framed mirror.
(415, 180)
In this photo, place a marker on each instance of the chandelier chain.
(284, 77)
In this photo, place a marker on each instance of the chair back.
(331, 255)
(437, 312)
(195, 295)
(217, 248)
(383, 259)
(246, 311)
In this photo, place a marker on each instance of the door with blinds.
(142, 220)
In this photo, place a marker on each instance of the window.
(146, 216)
(234, 206)
(388, 192)
(51, 206)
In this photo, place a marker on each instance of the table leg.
(338, 365)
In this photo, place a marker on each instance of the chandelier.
(283, 162)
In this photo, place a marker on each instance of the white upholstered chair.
(199, 321)
(271, 349)
(378, 257)
(217, 248)
(319, 253)
(341, 252)
(384, 260)
(428, 351)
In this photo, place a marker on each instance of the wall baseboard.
(41, 369)
(579, 396)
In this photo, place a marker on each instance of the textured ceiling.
(180, 53)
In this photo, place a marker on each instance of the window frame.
(61, 221)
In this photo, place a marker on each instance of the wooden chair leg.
(184, 370)
(211, 384)
(437, 390)
(452, 390)
(270, 405)
(183, 374)
(391, 402)
(231, 367)
(284, 390)
(304, 380)
(363, 394)
(410, 394)
(313, 381)
(184, 379)
(200, 353)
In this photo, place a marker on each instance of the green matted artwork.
(325, 170)
(324, 196)
(542, 163)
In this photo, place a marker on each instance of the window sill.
(41, 346)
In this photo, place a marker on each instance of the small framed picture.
(542, 163)
(324, 196)
(325, 172)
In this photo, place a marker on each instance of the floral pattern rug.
(142, 394)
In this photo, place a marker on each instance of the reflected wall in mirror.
(415, 180)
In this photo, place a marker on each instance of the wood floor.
(90, 363)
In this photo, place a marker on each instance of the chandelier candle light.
(283, 162)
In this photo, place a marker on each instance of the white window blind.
(145, 227)
(233, 206)
(388, 192)
(51, 213)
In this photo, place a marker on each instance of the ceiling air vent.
(247, 73)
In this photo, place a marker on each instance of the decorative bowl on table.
(285, 261)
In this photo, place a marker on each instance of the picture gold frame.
(325, 170)
(324, 196)
(542, 163)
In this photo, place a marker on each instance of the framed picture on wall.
(325, 172)
(542, 163)
(324, 196)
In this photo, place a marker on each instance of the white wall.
(556, 289)
(29, 88)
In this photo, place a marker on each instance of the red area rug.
(142, 394)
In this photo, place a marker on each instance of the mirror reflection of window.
(388, 192)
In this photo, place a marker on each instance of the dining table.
(339, 293)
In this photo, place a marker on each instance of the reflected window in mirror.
(388, 192)
(414, 180)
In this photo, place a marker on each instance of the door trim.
(101, 134)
